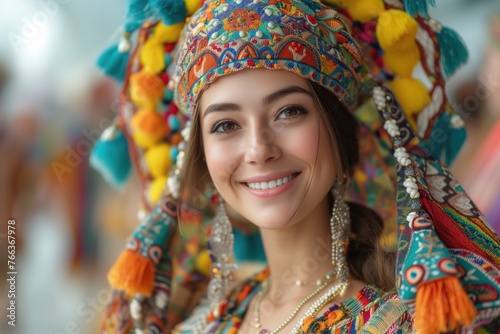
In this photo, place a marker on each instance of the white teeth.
(270, 184)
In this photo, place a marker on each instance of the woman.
(269, 87)
(275, 146)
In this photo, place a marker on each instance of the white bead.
(410, 217)
(124, 45)
(259, 34)
(186, 131)
(135, 309)
(379, 98)
(413, 193)
(161, 300)
(215, 35)
(457, 122)
(242, 33)
(435, 25)
(174, 186)
(271, 25)
(392, 128)
(109, 133)
(268, 12)
(402, 156)
(141, 214)
(216, 24)
(410, 183)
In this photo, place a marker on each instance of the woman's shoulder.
(235, 306)
(369, 311)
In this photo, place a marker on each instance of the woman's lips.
(272, 187)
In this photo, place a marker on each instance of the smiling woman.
(274, 152)
(271, 89)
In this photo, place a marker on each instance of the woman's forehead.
(251, 81)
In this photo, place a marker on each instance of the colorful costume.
(368, 310)
(447, 253)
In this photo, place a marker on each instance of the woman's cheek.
(221, 162)
(304, 142)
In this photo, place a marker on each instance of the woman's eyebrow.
(283, 92)
(267, 100)
(221, 107)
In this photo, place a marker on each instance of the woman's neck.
(300, 253)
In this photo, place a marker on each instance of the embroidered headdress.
(448, 256)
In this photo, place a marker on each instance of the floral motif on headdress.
(308, 39)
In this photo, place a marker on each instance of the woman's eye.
(224, 127)
(291, 112)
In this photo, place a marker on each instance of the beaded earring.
(221, 246)
(340, 225)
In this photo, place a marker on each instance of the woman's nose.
(262, 147)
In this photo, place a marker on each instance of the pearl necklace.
(329, 295)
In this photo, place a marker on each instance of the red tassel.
(448, 230)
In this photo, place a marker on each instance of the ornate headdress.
(447, 253)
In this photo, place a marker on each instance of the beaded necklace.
(330, 295)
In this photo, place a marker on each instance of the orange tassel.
(442, 306)
(133, 274)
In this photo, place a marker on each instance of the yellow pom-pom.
(412, 95)
(168, 34)
(152, 56)
(148, 127)
(156, 188)
(192, 6)
(396, 30)
(402, 62)
(158, 160)
(203, 263)
(146, 89)
(365, 10)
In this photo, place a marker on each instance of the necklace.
(336, 289)
(330, 295)
(301, 283)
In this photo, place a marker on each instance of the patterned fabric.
(303, 37)
(368, 311)
(447, 237)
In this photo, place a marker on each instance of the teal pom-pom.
(453, 51)
(111, 158)
(168, 95)
(138, 11)
(169, 11)
(113, 63)
(419, 7)
(446, 138)
(174, 152)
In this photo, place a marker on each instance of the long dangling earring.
(221, 245)
(340, 224)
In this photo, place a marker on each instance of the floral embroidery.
(242, 19)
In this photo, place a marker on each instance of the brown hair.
(366, 258)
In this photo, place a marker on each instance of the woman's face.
(267, 149)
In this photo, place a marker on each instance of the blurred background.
(70, 225)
